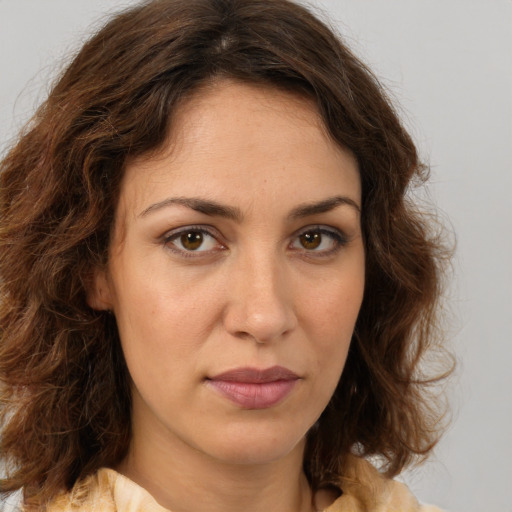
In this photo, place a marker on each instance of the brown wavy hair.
(64, 386)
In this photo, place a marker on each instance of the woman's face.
(236, 274)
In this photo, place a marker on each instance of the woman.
(215, 295)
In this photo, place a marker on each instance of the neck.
(187, 481)
(183, 479)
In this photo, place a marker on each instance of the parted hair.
(65, 402)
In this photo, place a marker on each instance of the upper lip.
(256, 375)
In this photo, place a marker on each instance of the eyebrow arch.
(215, 209)
(205, 206)
(308, 209)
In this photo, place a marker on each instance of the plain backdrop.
(448, 63)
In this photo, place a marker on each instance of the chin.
(251, 448)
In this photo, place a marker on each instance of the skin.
(270, 283)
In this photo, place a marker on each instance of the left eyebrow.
(308, 209)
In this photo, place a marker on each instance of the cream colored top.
(364, 490)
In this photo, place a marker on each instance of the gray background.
(449, 65)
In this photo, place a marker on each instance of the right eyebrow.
(205, 206)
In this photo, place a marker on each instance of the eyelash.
(338, 238)
(176, 234)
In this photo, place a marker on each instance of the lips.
(252, 388)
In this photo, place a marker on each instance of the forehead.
(231, 137)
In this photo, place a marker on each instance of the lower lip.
(248, 395)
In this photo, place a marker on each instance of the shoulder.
(105, 491)
(93, 493)
(367, 490)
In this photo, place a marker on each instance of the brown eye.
(311, 240)
(192, 240)
(318, 241)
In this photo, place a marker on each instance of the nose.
(260, 305)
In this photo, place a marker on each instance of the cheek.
(155, 295)
(333, 308)
(329, 317)
(163, 321)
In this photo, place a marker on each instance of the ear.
(99, 292)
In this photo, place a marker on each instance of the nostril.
(260, 305)
(260, 326)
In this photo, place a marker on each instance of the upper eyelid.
(322, 228)
(212, 231)
(209, 230)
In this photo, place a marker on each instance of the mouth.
(253, 388)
